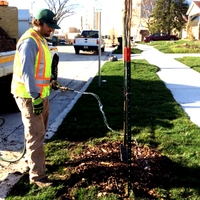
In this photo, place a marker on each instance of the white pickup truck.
(89, 41)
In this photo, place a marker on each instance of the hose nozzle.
(63, 88)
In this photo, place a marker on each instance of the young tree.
(167, 15)
(127, 16)
(62, 8)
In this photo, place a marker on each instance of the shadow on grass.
(151, 107)
(164, 175)
(196, 67)
(155, 115)
(85, 172)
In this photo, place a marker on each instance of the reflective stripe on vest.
(42, 68)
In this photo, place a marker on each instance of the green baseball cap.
(48, 17)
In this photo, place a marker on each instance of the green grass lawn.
(178, 46)
(192, 62)
(133, 51)
(181, 46)
(157, 121)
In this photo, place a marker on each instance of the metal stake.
(127, 84)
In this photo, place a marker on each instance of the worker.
(31, 88)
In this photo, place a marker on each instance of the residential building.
(193, 24)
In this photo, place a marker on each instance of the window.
(90, 34)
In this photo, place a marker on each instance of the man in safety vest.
(31, 88)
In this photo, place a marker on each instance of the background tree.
(168, 15)
(62, 8)
(113, 36)
(141, 15)
(147, 7)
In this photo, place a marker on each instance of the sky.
(32, 4)
(26, 4)
(86, 6)
(35, 5)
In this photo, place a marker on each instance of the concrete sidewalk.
(182, 81)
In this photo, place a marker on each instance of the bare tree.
(62, 8)
(142, 13)
(113, 36)
(147, 9)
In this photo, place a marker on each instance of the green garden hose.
(63, 89)
(2, 121)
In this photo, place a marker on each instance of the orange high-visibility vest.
(42, 68)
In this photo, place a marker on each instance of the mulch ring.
(101, 166)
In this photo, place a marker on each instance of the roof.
(197, 3)
(194, 8)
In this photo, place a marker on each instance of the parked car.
(160, 36)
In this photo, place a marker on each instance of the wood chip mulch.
(102, 167)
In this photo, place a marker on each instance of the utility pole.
(98, 8)
(31, 12)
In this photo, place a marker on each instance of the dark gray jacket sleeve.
(28, 50)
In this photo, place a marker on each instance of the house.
(193, 23)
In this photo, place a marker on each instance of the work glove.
(37, 105)
(55, 85)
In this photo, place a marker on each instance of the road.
(74, 71)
